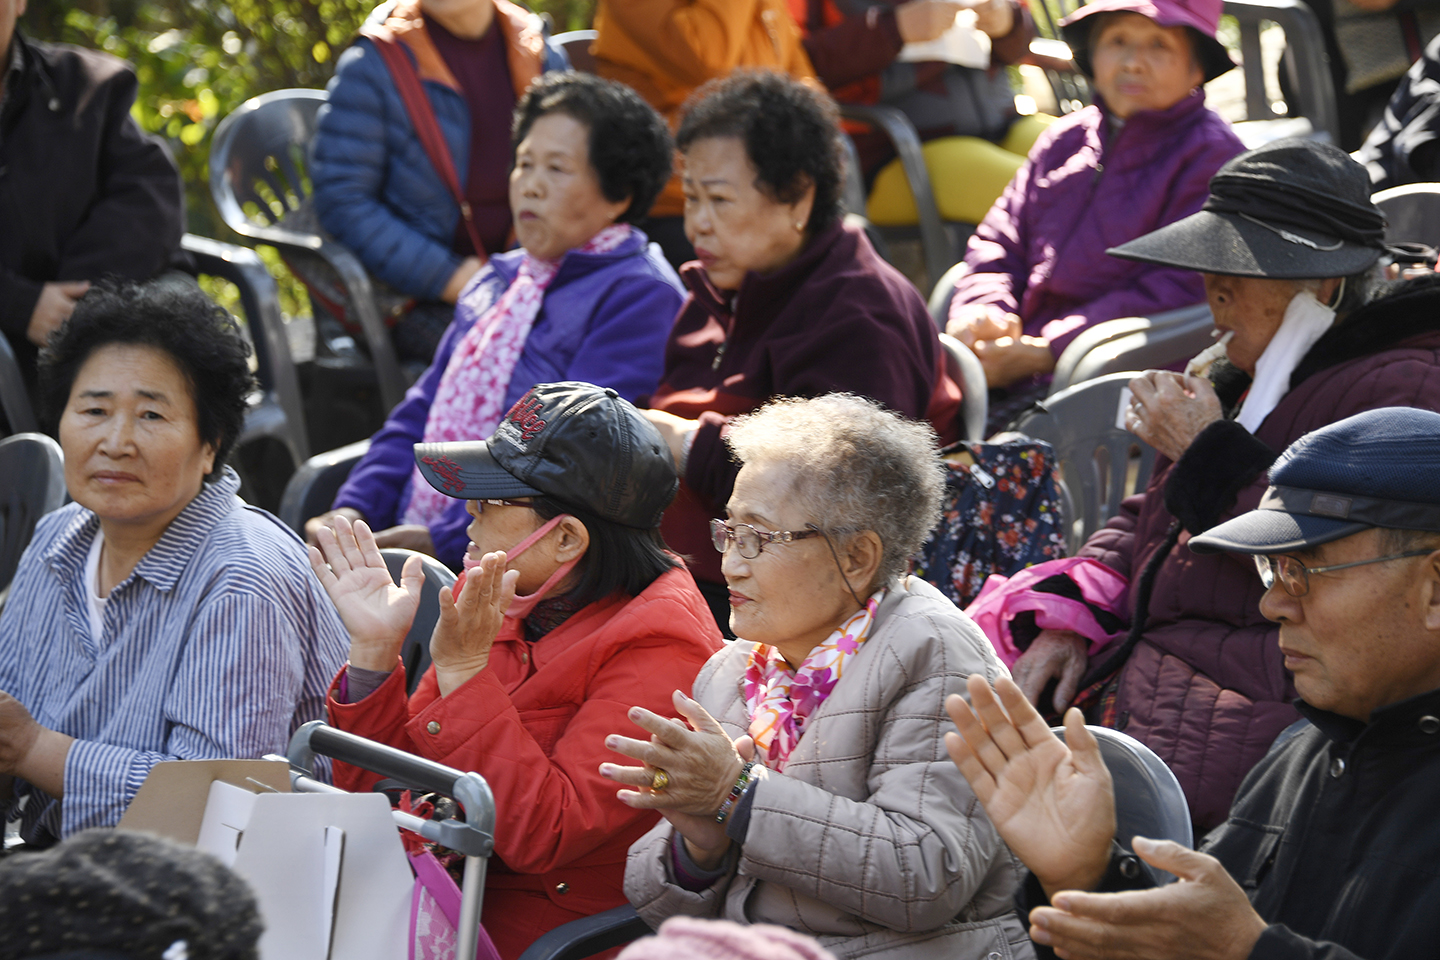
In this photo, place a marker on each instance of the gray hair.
(1355, 290)
(857, 467)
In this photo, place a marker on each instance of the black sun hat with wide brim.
(1289, 210)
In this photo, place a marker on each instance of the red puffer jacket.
(533, 724)
(1206, 687)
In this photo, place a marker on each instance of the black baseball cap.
(579, 443)
(1380, 468)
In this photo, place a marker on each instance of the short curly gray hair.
(856, 465)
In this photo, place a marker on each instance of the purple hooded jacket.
(1040, 251)
(604, 320)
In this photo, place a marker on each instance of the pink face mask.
(521, 606)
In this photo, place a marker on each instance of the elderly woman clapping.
(810, 787)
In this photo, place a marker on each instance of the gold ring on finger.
(659, 780)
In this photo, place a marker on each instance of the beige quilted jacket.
(870, 840)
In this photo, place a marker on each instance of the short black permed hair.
(630, 145)
(791, 133)
(174, 317)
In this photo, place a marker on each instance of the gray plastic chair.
(276, 417)
(589, 935)
(313, 486)
(1148, 798)
(32, 483)
(259, 159)
(415, 654)
(14, 398)
(1308, 70)
(1412, 211)
(1100, 464)
(974, 394)
(1134, 343)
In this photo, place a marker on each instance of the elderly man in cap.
(1330, 848)
(1287, 245)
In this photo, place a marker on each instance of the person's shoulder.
(56, 525)
(927, 634)
(1065, 135)
(254, 550)
(856, 279)
(66, 62)
(672, 611)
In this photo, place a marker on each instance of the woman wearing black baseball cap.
(570, 612)
(1287, 244)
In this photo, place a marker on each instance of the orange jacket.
(667, 48)
(533, 724)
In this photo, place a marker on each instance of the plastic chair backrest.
(974, 394)
(1134, 343)
(415, 653)
(313, 486)
(1309, 77)
(1412, 212)
(943, 293)
(576, 45)
(33, 469)
(1148, 798)
(1100, 464)
(14, 398)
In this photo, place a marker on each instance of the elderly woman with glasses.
(808, 786)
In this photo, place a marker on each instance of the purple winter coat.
(1040, 251)
(1206, 687)
(604, 320)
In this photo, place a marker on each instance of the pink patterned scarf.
(470, 400)
(779, 701)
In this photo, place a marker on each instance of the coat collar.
(402, 21)
(1397, 721)
(763, 295)
(574, 263)
(162, 566)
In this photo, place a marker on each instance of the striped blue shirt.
(219, 644)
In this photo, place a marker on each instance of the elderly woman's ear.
(860, 560)
(571, 541)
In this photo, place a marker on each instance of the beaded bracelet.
(741, 782)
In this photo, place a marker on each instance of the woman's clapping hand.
(469, 623)
(701, 764)
(375, 611)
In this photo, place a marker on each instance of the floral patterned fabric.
(1001, 514)
(779, 701)
(471, 396)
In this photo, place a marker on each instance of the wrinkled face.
(1140, 65)
(554, 192)
(132, 445)
(734, 226)
(1356, 641)
(501, 528)
(791, 596)
(1251, 306)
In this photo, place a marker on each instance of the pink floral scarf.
(469, 402)
(779, 701)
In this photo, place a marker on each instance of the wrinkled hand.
(313, 525)
(374, 610)
(974, 322)
(18, 733)
(468, 624)
(1052, 803)
(1011, 359)
(1168, 410)
(29, 751)
(1053, 655)
(1205, 916)
(54, 306)
(995, 18)
(922, 20)
(406, 536)
(456, 284)
(674, 429)
(702, 762)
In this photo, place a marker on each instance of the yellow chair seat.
(967, 176)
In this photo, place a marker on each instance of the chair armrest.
(588, 935)
(974, 392)
(902, 134)
(1088, 340)
(313, 487)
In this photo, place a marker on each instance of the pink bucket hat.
(1201, 16)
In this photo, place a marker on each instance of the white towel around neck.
(1306, 320)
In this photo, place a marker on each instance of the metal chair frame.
(266, 142)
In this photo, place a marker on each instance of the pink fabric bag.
(435, 913)
(1002, 599)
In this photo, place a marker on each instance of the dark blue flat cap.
(1380, 468)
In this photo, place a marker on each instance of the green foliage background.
(197, 60)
